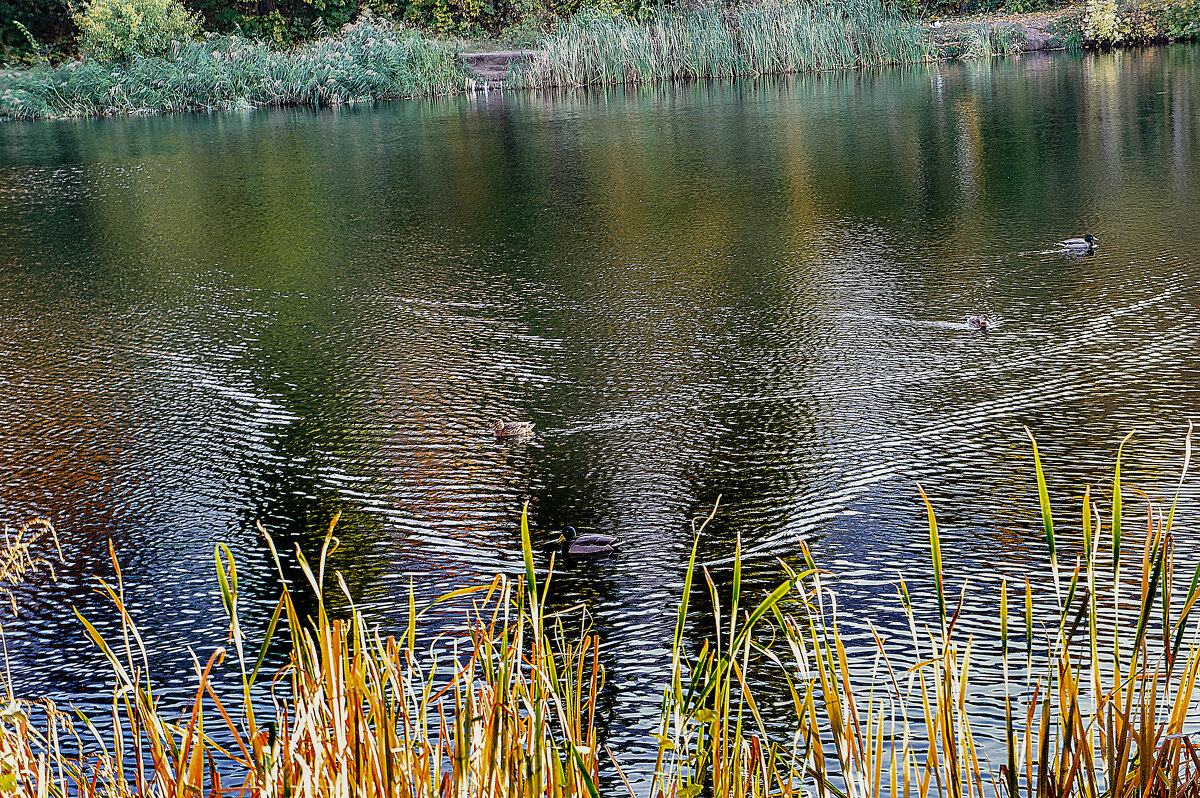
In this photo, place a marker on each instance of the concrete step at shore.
(491, 67)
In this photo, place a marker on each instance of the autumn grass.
(1097, 700)
(21, 554)
(718, 41)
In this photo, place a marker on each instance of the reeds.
(718, 41)
(368, 60)
(20, 554)
(1099, 677)
(986, 40)
(1106, 713)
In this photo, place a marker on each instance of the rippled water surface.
(753, 291)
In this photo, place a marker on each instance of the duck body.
(1086, 244)
(595, 545)
(981, 322)
(512, 429)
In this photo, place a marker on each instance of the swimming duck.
(1086, 244)
(576, 545)
(981, 322)
(512, 429)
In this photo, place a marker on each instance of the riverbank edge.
(947, 39)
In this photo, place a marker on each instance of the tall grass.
(986, 40)
(716, 41)
(368, 60)
(1097, 701)
(20, 557)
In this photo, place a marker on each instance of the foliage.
(48, 23)
(1100, 21)
(118, 30)
(369, 60)
(1182, 20)
(1158, 20)
(1024, 6)
(1095, 703)
(714, 41)
(1068, 29)
(1121, 22)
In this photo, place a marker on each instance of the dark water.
(753, 291)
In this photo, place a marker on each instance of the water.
(752, 291)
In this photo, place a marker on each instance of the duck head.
(1091, 240)
(567, 538)
(497, 426)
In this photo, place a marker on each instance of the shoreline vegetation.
(717, 42)
(1096, 699)
(373, 58)
(369, 60)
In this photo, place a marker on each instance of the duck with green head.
(1086, 244)
(594, 545)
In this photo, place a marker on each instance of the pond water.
(755, 291)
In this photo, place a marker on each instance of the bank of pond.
(374, 59)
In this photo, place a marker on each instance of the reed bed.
(718, 41)
(1098, 702)
(368, 60)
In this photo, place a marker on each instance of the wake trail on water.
(1064, 386)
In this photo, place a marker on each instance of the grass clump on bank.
(716, 41)
(1099, 676)
(368, 60)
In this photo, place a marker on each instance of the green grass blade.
(1047, 516)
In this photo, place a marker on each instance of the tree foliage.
(48, 22)
(116, 30)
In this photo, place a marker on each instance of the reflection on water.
(754, 291)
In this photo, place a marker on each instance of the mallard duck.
(576, 545)
(1086, 244)
(981, 322)
(512, 429)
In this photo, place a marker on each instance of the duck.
(1086, 244)
(981, 322)
(512, 429)
(575, 545)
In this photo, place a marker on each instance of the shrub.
(117, 30)
(1100, 23)
(1182, 20)
(1113, 22)
(1068, 29)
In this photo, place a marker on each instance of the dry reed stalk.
(508, 707)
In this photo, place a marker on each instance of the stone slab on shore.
(491, 67)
